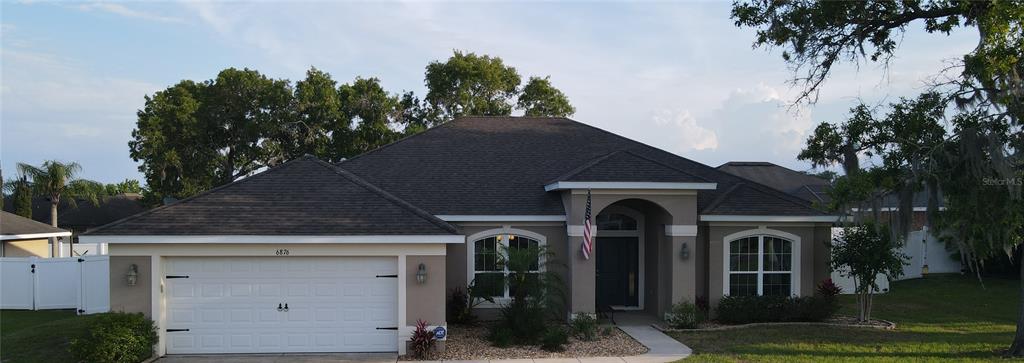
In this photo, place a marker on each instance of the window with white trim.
(489, 274)
(760, 265)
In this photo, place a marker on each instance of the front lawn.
(39, 336)
(941, 317)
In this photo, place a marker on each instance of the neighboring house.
(926, 252)
(23, 237)
(84, 216)
(309, 256)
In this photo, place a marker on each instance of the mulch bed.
(470, 343)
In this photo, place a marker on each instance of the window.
(488, 272)
(615, 222)
(760, 265)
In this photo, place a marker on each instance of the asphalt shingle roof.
(805, 186)
(625, 166)
(13, 224)
(499, 166)
(305, 196)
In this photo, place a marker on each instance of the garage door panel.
(230, 305)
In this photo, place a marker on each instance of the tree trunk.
(1017, 348)
(54, 246)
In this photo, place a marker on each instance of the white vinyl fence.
(32, 283)
(922, 249)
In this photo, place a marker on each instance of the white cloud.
(690, 135)
(120, 9)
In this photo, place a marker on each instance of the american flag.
(588, 240)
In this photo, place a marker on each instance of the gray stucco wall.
(813, 255)
(427, 300)
(131, 299)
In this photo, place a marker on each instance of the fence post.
(35, 281)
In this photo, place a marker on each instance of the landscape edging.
(888, 326)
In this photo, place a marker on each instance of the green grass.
(39, 336)
(939, 318)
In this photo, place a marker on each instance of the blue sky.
(678, 76)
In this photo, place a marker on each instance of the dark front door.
(618, 271)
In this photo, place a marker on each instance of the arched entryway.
(627, 250)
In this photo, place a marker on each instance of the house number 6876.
(282, 252)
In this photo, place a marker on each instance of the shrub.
(500, 338)
(554, 339)
(584, 326)
(761, 309)
(422, 341)
(607, 331)
(684, 315)
(523, 319)
(458, 307)
(116, 338)
(827, 288)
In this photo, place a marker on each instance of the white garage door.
(230, 304)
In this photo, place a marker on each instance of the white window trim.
(471, 253)
(563, 185)
(794, 278)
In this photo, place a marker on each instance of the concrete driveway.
(281, 358)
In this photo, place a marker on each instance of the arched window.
(615, 222)
(488, 274)
(761, 264)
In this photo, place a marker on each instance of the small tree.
(21, 196)
(863, 252)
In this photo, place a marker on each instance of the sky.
(675, 75)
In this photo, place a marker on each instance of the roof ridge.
(189, 199)
(388, 196)
(721, 197)
(598, 160)
(587, 165)
(404, 138)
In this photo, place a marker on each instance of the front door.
(618, 270)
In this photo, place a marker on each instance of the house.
(309, 256)
(927, 254)
(23, 237)
(84, 215)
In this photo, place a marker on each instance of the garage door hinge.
(174, 330)
(176, 276)
(387, 276)
(387, 328)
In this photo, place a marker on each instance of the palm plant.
(55, 180)
(536, 290)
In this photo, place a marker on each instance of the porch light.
(133, 275)
(421, 274)
(684, 251)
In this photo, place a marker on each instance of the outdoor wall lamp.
(421, 274)
(684, 251)
(133, 275)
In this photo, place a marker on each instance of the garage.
(281, 304)
(303, 257)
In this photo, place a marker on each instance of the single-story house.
(23, 237)
(316, 257)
